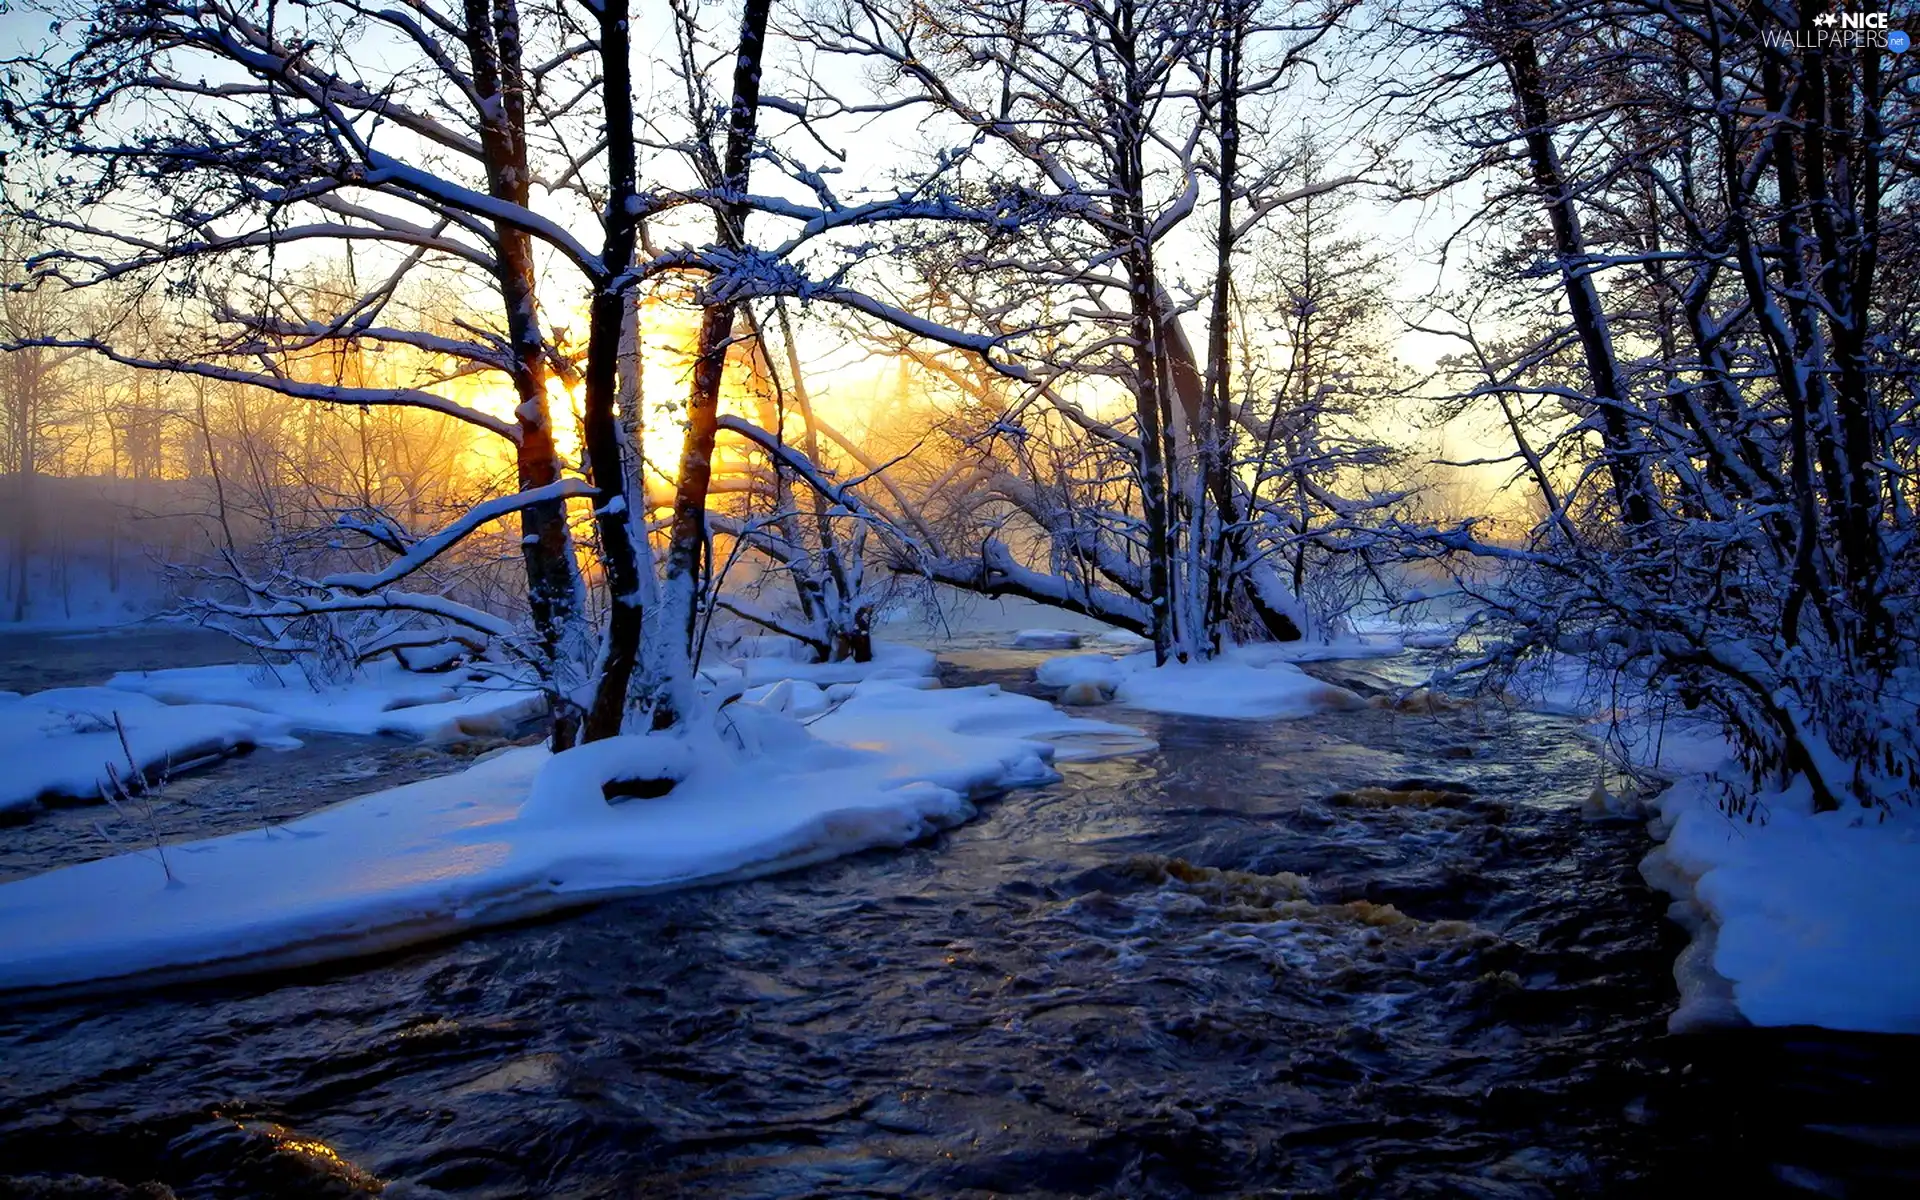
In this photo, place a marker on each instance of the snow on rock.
(952, 735)
(1248, 683)
(1047, 639)
(1084, 695)
(524, 832)
(1808, 917)
(1100, 670)
(384, 698)
(58, 745)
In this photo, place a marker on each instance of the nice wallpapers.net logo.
(1838, 29)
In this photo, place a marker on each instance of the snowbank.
(1246, 683)
(1310, 650)
(795, 698)
(891, 660)
(951, 735)
(58, 745)
(961, 618)
(525, 832)
(1809, 917)
(1047, 639)
(384, 698)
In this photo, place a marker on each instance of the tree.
(260, 134)
(1116, 115)
(1696, 398)
(30, 387)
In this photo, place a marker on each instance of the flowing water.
(35, 660)
(1363, 954)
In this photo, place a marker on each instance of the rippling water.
(1366, 954)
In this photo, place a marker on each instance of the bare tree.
(261, 135)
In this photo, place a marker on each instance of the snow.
(1245, 683)
(947, 735)
(1317, 650)
(384, 698)
(1314, 649)
(524, 832)
(790, 697)
(79, 595)
(1101, 670)
(1564, 685)
(1637, 727)
(59, 744)
(1047, 639)
(891, 660)
(1808, 917)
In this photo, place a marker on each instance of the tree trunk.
(606, 316)
(671, 652)
(1628, 477)
(554, 593)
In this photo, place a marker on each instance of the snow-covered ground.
(383, 698)
(89, 606)
(525, 832)
(1048, 639)
(891, 660)
(1253, 682)
(63, 744)
(962, 619)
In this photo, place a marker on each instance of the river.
(1362, 954)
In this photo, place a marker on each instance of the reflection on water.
(1236, 964)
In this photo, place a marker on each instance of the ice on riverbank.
(382, 698)
(1248, 683)
(61, 745)
(525, 832)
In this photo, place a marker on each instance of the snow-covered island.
(525, 831)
